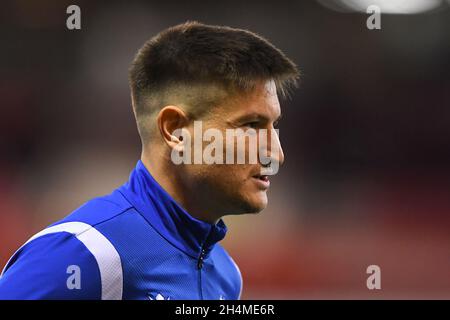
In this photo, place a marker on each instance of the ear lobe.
(178, 142)
(171, 120)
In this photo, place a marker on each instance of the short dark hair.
(213, 59)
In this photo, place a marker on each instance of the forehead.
(263, 100)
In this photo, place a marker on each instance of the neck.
(166, 174)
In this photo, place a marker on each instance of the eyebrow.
(257, 116)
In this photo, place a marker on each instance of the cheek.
(230, 178)
(246, 152)
(231, 174)
(214, 173)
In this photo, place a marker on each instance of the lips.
(262, 181)
(262, 177)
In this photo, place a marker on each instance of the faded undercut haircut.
(197, 66)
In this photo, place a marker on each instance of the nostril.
(267, 165)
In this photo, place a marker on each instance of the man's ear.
(171, 120)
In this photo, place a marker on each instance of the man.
(156, 236)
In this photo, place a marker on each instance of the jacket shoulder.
(99, 209)
(53, 264)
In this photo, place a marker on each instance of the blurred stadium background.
(366, 138)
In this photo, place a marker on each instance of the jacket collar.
(169, 219)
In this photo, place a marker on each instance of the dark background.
(366, 137)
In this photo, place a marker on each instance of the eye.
(252, 124)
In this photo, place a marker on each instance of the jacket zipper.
(199, 267)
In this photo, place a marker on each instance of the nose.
(271, 152)
(276, 151)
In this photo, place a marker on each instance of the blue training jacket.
(136, 243)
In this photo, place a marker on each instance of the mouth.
(262, 181)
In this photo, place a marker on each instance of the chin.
(255, 205)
